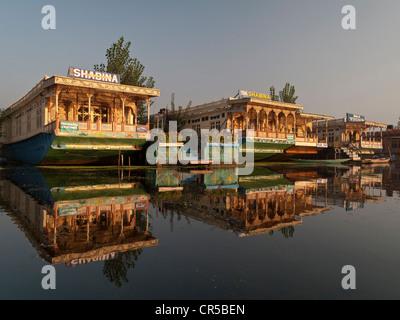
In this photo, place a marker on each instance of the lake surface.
(284, 232)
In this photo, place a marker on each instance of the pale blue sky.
(206, 50)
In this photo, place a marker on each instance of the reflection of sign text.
(140, 205)
(104, 257)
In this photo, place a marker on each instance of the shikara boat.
(375, 161)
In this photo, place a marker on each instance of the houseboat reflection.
(266, 200)
(93, 218)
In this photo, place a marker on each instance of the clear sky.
(206, 50)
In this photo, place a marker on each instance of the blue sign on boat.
(354, 118)
(141, 129)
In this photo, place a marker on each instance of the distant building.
(391, 143)
(354, 133)
(159, 119)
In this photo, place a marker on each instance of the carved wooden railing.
(99, 126)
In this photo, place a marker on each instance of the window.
(18, 127)
(28, 122)
(38, 118)
(97, 114)
(83, 114)
(196, 128)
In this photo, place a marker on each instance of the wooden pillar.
(285, 123)
(56, 112)
(76, 108)
(258, 120)
(326, 130)
(267, 123)
(123, 109)
(135, 111)
(373, 134)
(294, 125)
(89, 111)
(247, 119)
(229, 122)
(148, 113)
(123, 115)
(114, 127)
(370, 135)
(277, 122)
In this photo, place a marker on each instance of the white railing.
(371, 144)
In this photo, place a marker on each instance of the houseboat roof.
(375, 124)
(316, 116)
(229, 102)
(343, 121)
(47, 82)
(263, 102)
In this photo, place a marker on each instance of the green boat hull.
(333, 161)
(75, 150)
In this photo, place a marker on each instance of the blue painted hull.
(31, 150)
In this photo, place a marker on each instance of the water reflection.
(79, 217)
(265, 201)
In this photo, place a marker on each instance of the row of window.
(18, 122)
(196, 128)
(395, 144)
(216, 125)
(206, 118)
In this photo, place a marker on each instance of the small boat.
(375, 161)
(317, 161)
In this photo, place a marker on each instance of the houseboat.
(275, 129)
(85, 118)
(353, 136)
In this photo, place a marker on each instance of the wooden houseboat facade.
(65, 121)
(276, 129)
(353, 135)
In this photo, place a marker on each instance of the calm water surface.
(283, 233)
